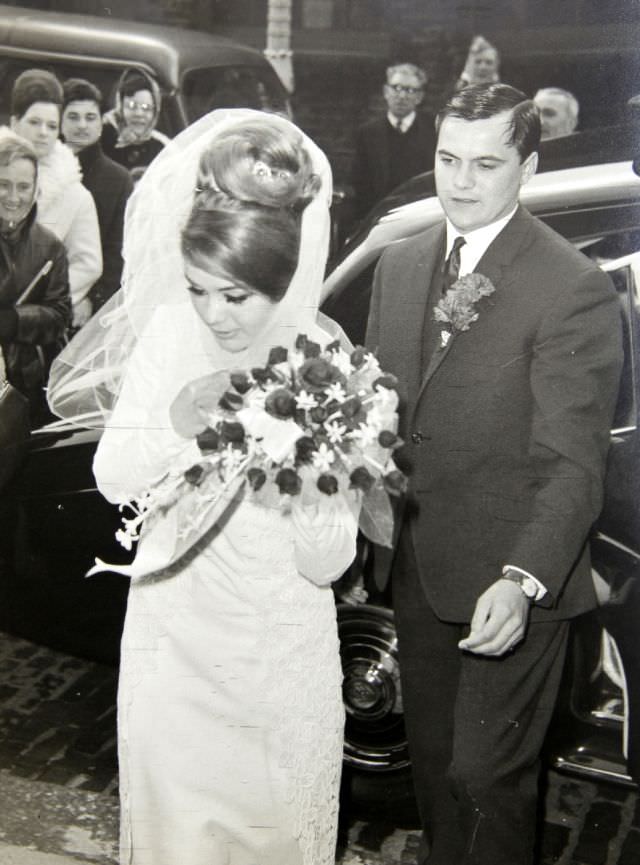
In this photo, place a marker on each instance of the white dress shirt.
(402, 124)
(476, 242)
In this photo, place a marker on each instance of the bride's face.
(234, 314)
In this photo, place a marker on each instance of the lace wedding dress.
(230, 709)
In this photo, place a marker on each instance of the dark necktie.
(452, 264)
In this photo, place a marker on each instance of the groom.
(506, 425)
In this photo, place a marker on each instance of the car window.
(231, 87)
(625, 273)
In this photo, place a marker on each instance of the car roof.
(554, 190)
(166, 51)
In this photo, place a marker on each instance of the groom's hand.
(499, 621)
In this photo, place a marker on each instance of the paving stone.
(60, 773)
(48, 747)
(93, 739)
(372, 835)
(410, 852)
(65, 740)
(600, 826)
(70, 822)
(6, 692)
(630, 853)
(636, 816)
(22, 649)
(555, 839)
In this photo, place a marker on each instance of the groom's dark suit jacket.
(507, 427)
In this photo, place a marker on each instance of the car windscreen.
(232, 87)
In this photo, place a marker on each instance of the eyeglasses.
(132, 105)
(400, 88)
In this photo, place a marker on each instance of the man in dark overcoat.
(509, 391)
(395, 147)
(109, 183)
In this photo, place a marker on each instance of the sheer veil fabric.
(87, 376)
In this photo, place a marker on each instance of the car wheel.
(376, 756)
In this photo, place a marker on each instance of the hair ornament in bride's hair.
(260, 164)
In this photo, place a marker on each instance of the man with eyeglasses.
(397, 146)
(129, 135)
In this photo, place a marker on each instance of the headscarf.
(115, 117)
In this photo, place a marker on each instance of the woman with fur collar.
(129, 135)
(64, 205)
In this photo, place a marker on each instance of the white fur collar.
(56, 172)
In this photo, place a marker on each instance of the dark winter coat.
(32, 331)
(385, 158)
(110, 184)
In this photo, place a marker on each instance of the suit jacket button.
(417, 438)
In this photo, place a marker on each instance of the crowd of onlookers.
(397, 146)
(67, 168)
(66, 172)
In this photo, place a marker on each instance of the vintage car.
(196, 71)
(54, 522)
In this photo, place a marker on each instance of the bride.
(230, 717)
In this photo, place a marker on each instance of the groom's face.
(478, 173)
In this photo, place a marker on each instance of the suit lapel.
(417, 300)
(497, 265)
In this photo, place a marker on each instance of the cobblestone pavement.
(58, 780)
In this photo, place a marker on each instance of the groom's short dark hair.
(481, 101)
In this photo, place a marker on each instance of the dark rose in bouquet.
(281, 403)
(288, 482)
(317, 373)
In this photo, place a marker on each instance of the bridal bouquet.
(312, 423)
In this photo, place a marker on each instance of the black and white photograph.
(319, 443)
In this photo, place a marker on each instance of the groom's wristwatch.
(527, 584)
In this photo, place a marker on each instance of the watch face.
(528, 586)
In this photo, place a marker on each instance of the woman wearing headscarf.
(129, 136)
(35, 306)
(65, 206)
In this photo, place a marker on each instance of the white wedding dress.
(230, 709)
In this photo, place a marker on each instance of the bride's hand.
(325, 539)
(194, 404)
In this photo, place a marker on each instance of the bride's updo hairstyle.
(254, 181)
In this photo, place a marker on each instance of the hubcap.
(375, 738)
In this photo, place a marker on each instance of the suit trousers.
(475, 727)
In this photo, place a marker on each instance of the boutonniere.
(457, 310)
